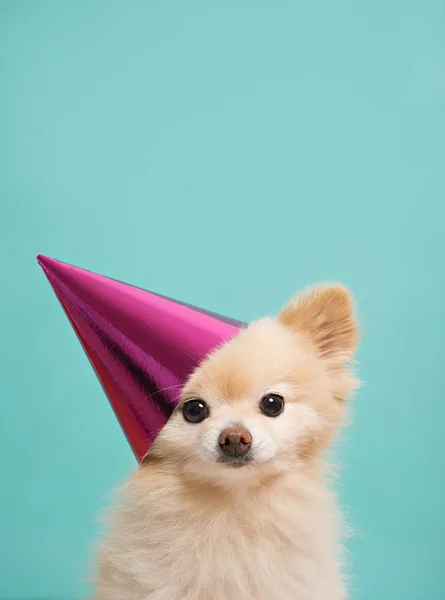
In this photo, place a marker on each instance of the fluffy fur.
(188, 527)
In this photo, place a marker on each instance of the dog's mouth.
(235, 462)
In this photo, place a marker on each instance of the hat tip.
(45, 261)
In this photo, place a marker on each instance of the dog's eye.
(272, 405)
(195, 411)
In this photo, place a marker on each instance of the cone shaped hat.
(142, 345)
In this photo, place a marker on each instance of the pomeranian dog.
(231, 502)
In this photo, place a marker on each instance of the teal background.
(224, 153)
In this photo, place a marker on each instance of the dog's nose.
(235, 441)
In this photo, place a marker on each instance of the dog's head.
(270, 397)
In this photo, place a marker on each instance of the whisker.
(170, 387)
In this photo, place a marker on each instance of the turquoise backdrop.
(224, 153)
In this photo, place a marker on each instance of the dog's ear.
(325, 314)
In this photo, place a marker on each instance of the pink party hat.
(141, 345)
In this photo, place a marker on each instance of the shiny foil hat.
(142, 345)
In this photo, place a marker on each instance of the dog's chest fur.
(274, 542)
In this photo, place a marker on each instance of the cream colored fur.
(187, 527)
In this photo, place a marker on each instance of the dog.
(232, 501)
